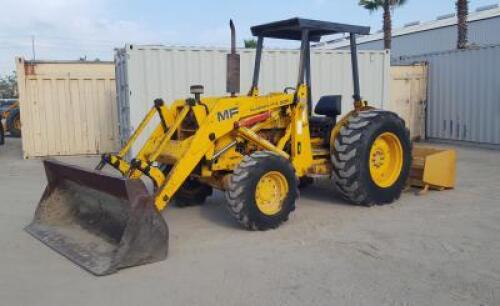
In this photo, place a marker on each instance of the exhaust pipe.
(233, 37)
(233, 65)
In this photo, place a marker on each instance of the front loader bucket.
(101, 222)
(433, 168)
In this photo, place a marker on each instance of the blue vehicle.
(10, 117)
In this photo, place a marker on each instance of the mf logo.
(227, 114)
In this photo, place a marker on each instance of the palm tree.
(462, 12)
(386, 5)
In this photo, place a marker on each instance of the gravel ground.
(439, 249)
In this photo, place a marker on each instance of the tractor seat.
(328, 107)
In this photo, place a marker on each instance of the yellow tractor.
(10, 112)
(256, 148)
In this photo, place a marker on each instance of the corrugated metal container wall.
(481, 32)
(148, 72)
(67, 108)
(463, 94)
(408, 97)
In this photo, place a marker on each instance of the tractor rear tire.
(192, 193)
(262, 190)
(14, 123)
(371, 158)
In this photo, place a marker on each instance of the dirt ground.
(438, 249)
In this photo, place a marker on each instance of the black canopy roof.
(292, 29)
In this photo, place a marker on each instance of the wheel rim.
(386, 159)
(271, 192)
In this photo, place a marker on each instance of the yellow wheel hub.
(270, 193)
(386, 160)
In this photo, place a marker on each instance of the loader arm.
(216, 118)
(118, 161)
(220, 121)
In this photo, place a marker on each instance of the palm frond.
(371, 5)
(398, 2)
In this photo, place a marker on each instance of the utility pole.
(33, 46)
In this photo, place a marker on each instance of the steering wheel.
(289, 88)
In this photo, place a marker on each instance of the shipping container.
(408, 97)
(67, 107)
(463, 99)
(145, 73)
(432, 36)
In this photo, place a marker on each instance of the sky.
(72, 29)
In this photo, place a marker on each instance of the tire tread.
(240, 179)
(346, 156)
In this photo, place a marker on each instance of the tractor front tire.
(371, 158)
(262, 190)
(192, 193)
